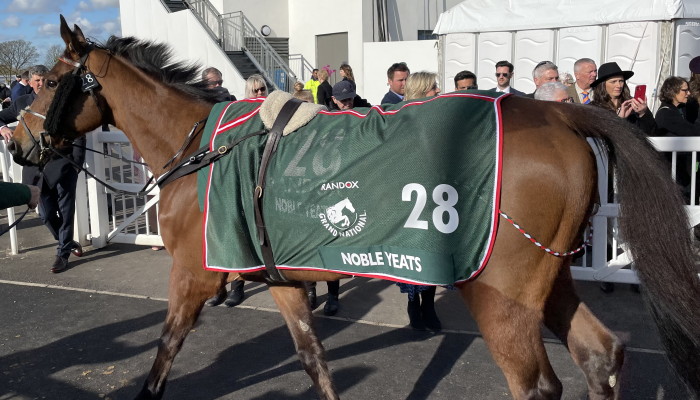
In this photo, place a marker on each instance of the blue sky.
(37, 21)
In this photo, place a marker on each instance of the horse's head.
(63, 108)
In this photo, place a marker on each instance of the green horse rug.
(406, 192)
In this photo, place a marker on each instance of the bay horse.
(548, 185)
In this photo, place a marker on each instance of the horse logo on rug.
(343, 223)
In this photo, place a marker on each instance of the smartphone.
(640, 92)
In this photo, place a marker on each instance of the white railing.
(301, 67)
(120, 218)
(129, 219)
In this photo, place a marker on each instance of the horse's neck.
(155, 117)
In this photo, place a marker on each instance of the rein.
(17, 221)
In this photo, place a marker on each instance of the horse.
(548, 184)
(335, 213)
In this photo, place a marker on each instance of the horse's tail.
(654, 223)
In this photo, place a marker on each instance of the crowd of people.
(604, 87)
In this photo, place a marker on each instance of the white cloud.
(10, 22)
(83, 6)
(48, 30)
(34, 6)
(112, 27)
(97, 4)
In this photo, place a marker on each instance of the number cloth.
(407, 192)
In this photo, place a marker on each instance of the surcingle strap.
(273, 138)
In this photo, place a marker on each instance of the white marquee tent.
(654, 38)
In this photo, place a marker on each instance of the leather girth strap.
(273, 138)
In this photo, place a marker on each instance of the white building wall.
(183, 33)
(341, 16)
(406, 17)
(273, 13)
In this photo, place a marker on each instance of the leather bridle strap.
(273, 137)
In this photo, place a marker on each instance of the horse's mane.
(155, 59)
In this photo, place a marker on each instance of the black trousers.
(58, 210)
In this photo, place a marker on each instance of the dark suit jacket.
(20, 90)
(58, 166)
(513, 91)
(391, 98)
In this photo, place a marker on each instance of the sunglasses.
(219, 82)
(567, 100)
(472, 87)
(502, 74)
(262, 89)
(541, 63)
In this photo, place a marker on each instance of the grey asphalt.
(90, 332)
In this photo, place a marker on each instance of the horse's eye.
(51, 84)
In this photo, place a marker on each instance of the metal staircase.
(249, 51)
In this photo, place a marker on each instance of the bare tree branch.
(52, 54)
(15, 56)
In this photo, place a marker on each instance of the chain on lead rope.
(587, 242)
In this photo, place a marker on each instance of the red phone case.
(640, 92)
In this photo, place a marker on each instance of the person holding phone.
(610, 91)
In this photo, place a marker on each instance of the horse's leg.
(593, 347)
(511, 330)
(188, 290)
(294, 306)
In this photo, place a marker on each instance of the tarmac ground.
(91, 332)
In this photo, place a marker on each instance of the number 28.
(444, 196)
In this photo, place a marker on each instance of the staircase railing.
(234, 32)
(301, 66)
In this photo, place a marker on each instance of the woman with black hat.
(610, 91)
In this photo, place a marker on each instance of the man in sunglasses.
(504, 73)
(214, 81)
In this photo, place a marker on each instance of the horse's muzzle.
(17, 154)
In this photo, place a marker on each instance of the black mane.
(155, 59)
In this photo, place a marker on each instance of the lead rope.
(587, 242)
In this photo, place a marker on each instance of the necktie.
(585, 99)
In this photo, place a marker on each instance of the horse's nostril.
(12, 147)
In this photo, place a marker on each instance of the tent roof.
(517, 15)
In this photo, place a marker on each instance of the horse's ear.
(74, 40)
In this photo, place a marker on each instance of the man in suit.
(504, 74)
(586, 73)
(397, 74)
(22, 87)
(57, 180)
(544, 71)
(465, 80)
